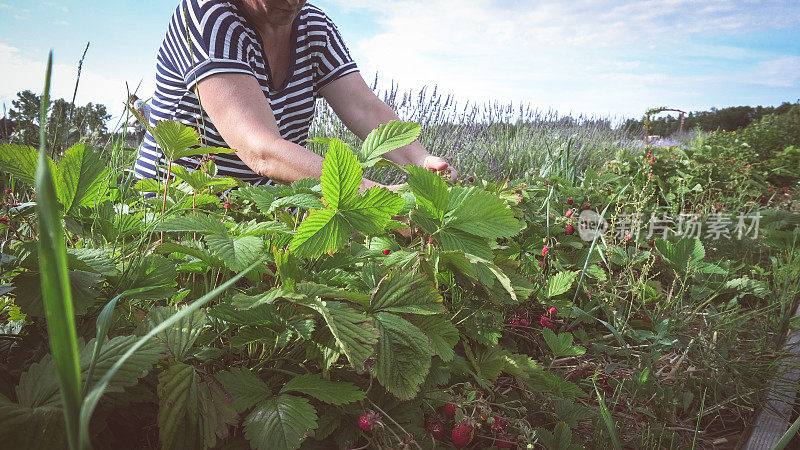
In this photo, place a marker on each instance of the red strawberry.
(569, 201)
(627, 238)
(741, 171)
(386, 251)
(7, 191)
(462, 434)
(570, 229)
(568, 213)
(430, 240)
(585, 207)
(652, 243)
(499, 424)
(514, 322)
(553, 311)
(546, 322)
(368, 420)
(470, 179)
(450, 411)
(227, 205)
(5, 220)
(544, 250)
(435, 428)
(524, 322)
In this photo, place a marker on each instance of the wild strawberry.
(568, 214)
(542, 263)
(524, 322)
(368, 420)
(386, 251)
(748, 166)
(272, 268)
(769, 190)
(435, 428)
(227, 205)
(471, 179)
(5, 220)
(569, 201)
(7, 191)
(570, 229)
(430, 240)
(514, 322)
(498, 423)
(731, 160)
(522, 312)
(652, 243)
(553, 311)
(450, 411)
(741, 171)
(628, 238)
(586, 207)
(647, 319)
(544, 250)
(462, 434)
(546, 322)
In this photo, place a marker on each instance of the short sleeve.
(214, 40)
(334, 58)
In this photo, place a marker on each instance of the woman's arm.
(362, 111)
(243, 117)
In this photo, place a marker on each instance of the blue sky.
(598, 58)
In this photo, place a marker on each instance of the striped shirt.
(207, 37)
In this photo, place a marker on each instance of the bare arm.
(242, 115)
(362, 111)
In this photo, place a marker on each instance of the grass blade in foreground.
(56, 292)
(93, 397)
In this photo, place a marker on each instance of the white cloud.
(23, 73)
(582, 55)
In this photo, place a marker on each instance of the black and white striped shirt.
(223, 40)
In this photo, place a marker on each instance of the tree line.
(66, 123)
(728, 119)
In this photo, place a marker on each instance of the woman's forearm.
(286, 162)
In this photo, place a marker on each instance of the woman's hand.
(438, 164)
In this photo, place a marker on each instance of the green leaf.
(79, 177)
(305, 201)
(483, 214)
(570, 412)
(93, 397)
(29, 294)
(354, 332)
(407, 292)
(20, 161)
(244, 386)
(175, 138)
(200, 223)
(385, 138)
(341, 174)
(403, 355)
(430, 191)
(97, 260)
(180, 338)
(194, 251)
(177, 407)
(333, 392)
(476, 248)
(441, 332)
(560, 283)
(561, 345)
(31, 428)
(237, 253)
(370, 212)
(216, 411)
(323, 231)
(683, 254)
(321, 290)
(280, 423)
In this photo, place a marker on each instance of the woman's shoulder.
(206, 11)
(312, 14)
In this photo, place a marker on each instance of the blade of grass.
(55, 280)
(788, 436)
(93, 397)
(607, 419)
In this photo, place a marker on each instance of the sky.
(610, 59)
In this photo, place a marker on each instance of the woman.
(256, 67)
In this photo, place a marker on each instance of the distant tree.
(86, 122)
